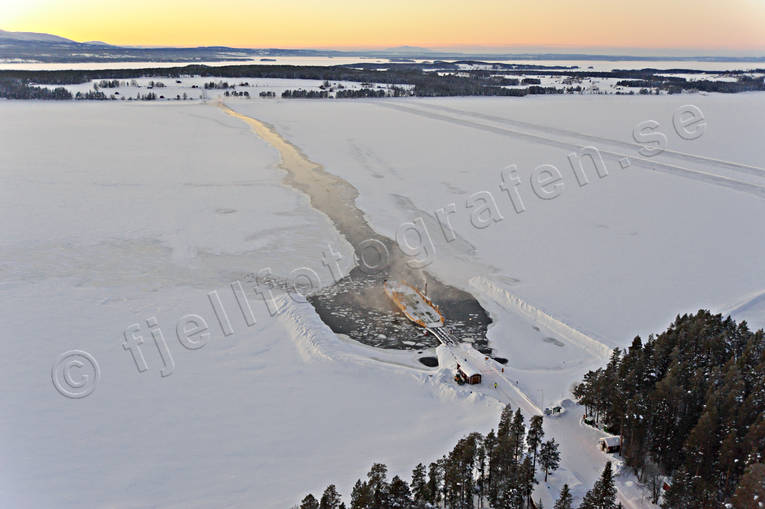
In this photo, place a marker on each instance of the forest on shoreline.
(689, 404)
(436, 79)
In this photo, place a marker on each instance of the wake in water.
(356, 305)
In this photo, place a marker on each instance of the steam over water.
(357, 305)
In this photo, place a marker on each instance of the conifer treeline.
(497, 469)
(689, 403)
(468, 82)
(20, 89)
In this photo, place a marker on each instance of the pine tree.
(361, 497)
(610, 390)
(419, 484)
(702, 444)
(309, 502)
(505, 420)
(681, 494)
(607, 488)
(480, 465)
(565, 500)
(517, 431)
(330, 499)
(452, 479)
(590, 500)
(534, 437)
(459, 467)
(549, 457)
(434, 483)
(400, 496)
(490, 444)
(526, 480)
(751, 490)
(377, 475)
(505, 469)
(603, 493)
(509, 494)
(378, 486)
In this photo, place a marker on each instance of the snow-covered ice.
(134, 212)
(118, 213)
(619, 256)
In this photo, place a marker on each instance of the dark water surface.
(357, 305)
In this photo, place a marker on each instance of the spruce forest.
(690, 405)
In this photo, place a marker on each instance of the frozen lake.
(599, 64)
(122, 219)
(355, 305)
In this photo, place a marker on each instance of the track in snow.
(706, 176)
(745, 169)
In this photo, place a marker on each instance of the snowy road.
(583, 138)
(755, 183)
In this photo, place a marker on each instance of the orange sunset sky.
(683, 24)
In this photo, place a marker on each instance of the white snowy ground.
(115, 213)
(193, 87)
(620, 256)
(575, 275)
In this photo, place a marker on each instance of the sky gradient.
(683, 24)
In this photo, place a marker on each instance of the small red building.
(468, 375)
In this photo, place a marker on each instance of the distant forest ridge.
(394, 72)
(464, 78)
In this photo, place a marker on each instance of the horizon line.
(442, 47)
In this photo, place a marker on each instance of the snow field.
(140, 210)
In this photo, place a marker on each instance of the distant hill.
(49, 48)
(407, 50)
(33, 36)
